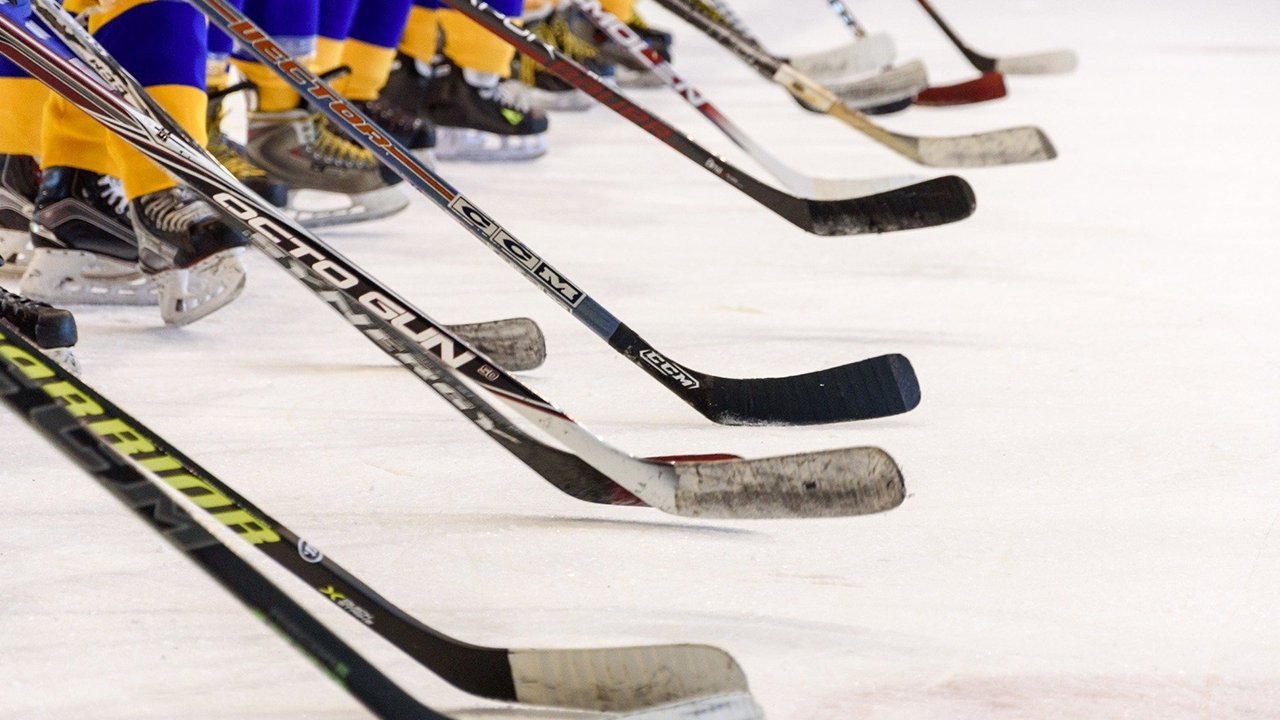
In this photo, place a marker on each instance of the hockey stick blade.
(872, 388)
(869, 54)
(988, 86)
(868, 480)
(925, 204)
(892, 85)
(1052, 62)
(516, 344)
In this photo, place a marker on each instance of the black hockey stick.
(876, 387)
(634, 44)
(835, 482)
(932, 202)
(1051, 62)
(605, 679)
(38, 390)
(997, 147)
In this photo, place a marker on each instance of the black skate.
(542, 90)
(631, 73)
(85, 251)
(192, 256)
(19, 182)
(477, 119)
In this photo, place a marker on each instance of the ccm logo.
(514, 249)
(670, 369)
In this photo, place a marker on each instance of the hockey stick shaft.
(845, 14)
(46, 396)
(981, 62)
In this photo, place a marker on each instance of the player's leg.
(24, 99)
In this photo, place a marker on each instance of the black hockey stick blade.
(926, 204)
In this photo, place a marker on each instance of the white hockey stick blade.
(998, 147)
(833, 483)
(898, 83)
(1053, 62)
(623, 679)
(846, 62)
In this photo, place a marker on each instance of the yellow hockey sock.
(470, 46)
(24, 100)
(421, 38)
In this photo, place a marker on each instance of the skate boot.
(477, 119)
(85, 250)
(544, 91)
(401, 110)
(631, 73)
(189, 253)
(304, 151)
(19, 181)
(235, 158)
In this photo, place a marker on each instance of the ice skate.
(189, 253)
(302, 149)
(85, 250)
(401, 109)
(477, 119)
(19, 181)
(536, 87)
(630, 72)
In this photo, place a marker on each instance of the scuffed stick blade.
(926, 204)
(516, 344)
(889, 86)
(1053, 62)
(998, 147)
(623, 679)
(988, 86)
(831, 483)
(860, 57)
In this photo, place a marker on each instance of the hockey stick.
(40, 392)
(1051, 62)
(933, 202)
(870, 388)
(835, 482)
(988, 86)
(998, 147)
(606, 679)
(805, 185)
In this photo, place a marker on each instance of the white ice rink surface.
(1093, 524)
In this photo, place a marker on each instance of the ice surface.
(1091, 529)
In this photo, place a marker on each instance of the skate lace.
(234, 162)
(330, 148)
(174, 210)
(111, 190)
(555, 32)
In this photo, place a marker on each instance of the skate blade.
(15, 251)
(74, 277)
(348, 209)
(188, 294)
(479, 146)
